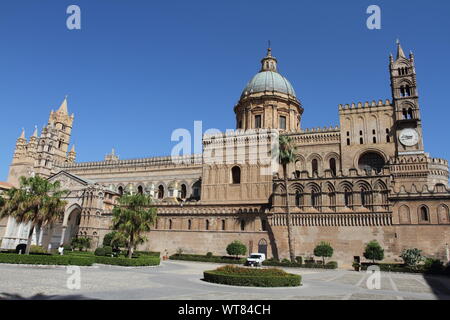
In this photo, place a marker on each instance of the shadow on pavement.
(439, 284)
(40, 296)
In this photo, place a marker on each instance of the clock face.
(409, 137)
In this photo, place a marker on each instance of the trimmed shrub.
(99, 252)
(108, 251)
(374, 251)
(148, 253)
(127, 262)
(37, 249)
(236, 248)
(209, 255)
(299, 260)
(238, 276)
(331, 265)
(323, 250)
(46, 259)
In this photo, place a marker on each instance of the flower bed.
(250, 277)
(201, 258)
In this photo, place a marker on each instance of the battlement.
(346, 108)
(154, 161)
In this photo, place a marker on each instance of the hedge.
(45, 259)
(127, 262)
(288, 264)
(256, 278)
(396, 267)
(202, 258)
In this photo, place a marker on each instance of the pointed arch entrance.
(262, 247)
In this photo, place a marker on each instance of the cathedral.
(367, 179)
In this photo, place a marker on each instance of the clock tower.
(405, 97)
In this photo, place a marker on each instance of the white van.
(255, 259)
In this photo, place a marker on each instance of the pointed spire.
(72, 150)
(63, 107)
(35, 133)
(22, 135)
(400, 53)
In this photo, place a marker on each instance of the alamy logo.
(73, 22)
(253, 147)
(374, 280)
(374, 20)
(74, 280)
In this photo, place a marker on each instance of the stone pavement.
(182, 280)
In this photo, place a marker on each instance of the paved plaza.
(182, 280)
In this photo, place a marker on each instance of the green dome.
(269, 81)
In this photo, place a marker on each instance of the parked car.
(255, 259)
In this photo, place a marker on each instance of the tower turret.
(405, 97)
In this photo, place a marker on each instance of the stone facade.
(367, 179)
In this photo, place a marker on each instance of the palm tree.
(131, 217)
(37, 201)
(287, 156)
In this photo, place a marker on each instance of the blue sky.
(137, 70)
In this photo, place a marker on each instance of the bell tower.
(405, 97)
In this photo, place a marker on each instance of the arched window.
(424, 216)
(283, 122)
(207, 224)
(410, 113)
(363, 195)
(236, 175)
(371, 161)
(407, 91)
(298, 199)
(160, 192)
(223, 224)
(333, 166)
(183, 191)
(297, 174)
(388, 138)
(140, 190)
(315, 199)
(315, 167)
(189, 224)
(348, 198)
(120, 190)
(242, 225)
(402, 91)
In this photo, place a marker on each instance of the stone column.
(63, 234)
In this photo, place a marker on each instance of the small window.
(361, 141)
(120, 190)
(170, 224)
(348, 142)
(315, 167)
(374, 139)
(298, 199)
(140, 190)
(223, 225)
(333, 166)
(283, 122)
(242, 225)
(258, 121)
(189, 224)
(207, 225)
(160, 192)
(183, 191)
(424, 216)
(236, 175)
